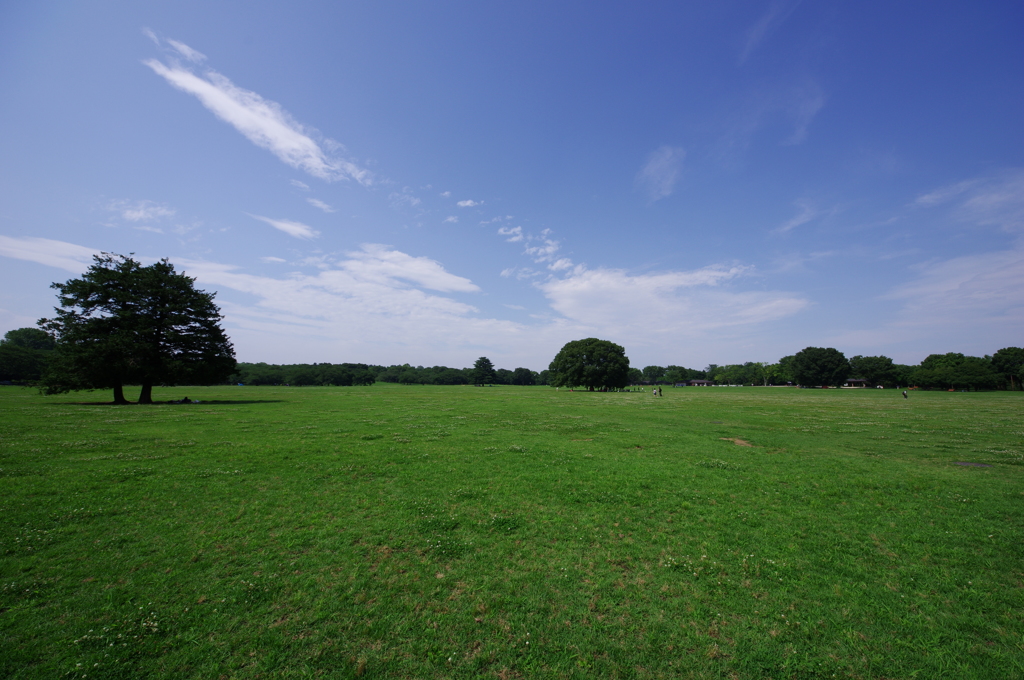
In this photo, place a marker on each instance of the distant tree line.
(826, 366)
(25, 354)
(367, 374)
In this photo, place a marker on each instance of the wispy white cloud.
(939, 196)
(803, 107)
(320, 204)
(300, 185)
(661, 171)
(195, 56)
(469, 203)
(545, 252)
(807, 212)
(776, 14)
(561, 264)
(685, 303)
(791, 108)
(399, 198)
(972, 304)
(275, 260)
(68, 256)
(519, 273)
(380, 263)
(514, 234)
(296, 229)
(798, 261)
(985, 201)
(451, 219)
(139, 211)
(446, 194)
(263, 122)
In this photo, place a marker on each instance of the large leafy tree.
(29, 338)
(1010, 362)
(24, 353)
(653, 373)
(954, 370)
(523, 376)
(878, 370)
(122, 324)
(483, 372)
(590, 363)
(820, 366)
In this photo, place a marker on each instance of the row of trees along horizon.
(123, 323)
(25, 352)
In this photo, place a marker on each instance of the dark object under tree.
(590, 363)
(125, 324)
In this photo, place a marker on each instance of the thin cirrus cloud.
(973, 302)
(997, 200)
(469, 203)
(60, 254)
(793, 107)
(316, 203)
(263, 122)
(660, 173)
(195, 56)
(807, 212)
(139, 211)
(296, 229)
(768, 22)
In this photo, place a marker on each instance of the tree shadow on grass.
(211, 402)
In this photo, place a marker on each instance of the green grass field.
(509, 532)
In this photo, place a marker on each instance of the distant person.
(904, 394)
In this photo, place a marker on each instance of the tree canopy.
(955, 371)
(24, 353)
(483, 371)
(1010, 362)
(590, 363)
(122, 323)
(820, 366)
(29, 338)
(523, 376)
(878, 370)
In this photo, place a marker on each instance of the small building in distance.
(700, 383)
(855, 382)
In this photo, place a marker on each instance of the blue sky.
(418, 182)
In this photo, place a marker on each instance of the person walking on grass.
(905, 394)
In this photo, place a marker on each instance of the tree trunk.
(119, 395)
(146, 395)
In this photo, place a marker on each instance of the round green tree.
(820, 366)
(590, 363)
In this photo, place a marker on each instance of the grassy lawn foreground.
(439, 532)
